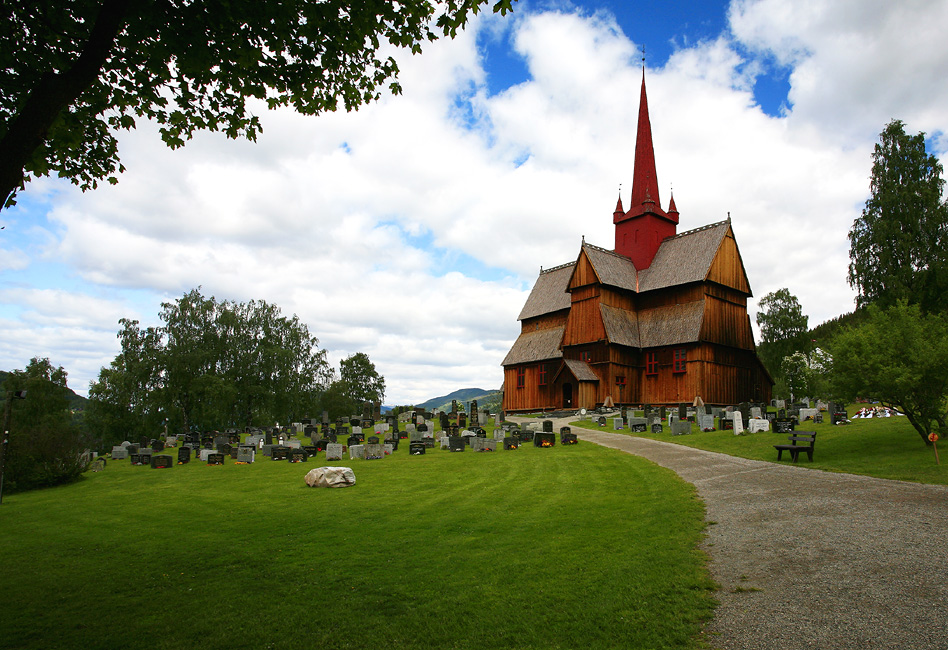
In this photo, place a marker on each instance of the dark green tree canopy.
(45, 445)
(783, 329)
(74, 71)
(898, 356)
(361, 380)
(47, 403)
(899, 246)
(211, 364)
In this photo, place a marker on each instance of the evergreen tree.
(899, 246)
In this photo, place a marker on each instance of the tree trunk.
(53, 94)
(923, 431)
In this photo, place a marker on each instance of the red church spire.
(641, 230)
(644, 178)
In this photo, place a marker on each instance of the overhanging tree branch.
(53, 94)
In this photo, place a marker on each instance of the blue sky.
(414, 229)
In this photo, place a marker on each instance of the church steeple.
(644, 178)
(640, 231)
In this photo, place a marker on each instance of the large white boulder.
(330, 477)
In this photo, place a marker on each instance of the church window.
(521, 376)
(585, 356)
(541, 375)
(651, 363)
(620, 381)
(681, 358)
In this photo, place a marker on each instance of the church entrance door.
(567, 395)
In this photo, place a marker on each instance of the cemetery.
(226, 498)
(225, 550)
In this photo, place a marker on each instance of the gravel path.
(813, 559)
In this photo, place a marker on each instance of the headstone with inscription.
(334, 451)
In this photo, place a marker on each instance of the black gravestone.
(783, 425)
(544, 439)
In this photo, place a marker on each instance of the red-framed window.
(541, 374)
(681, 359)
(620, 381)
(585, 356)
(521, 377)
(651, 363)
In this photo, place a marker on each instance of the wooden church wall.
(544, 322)
(583, 274)
(617, 298)
(588, 395)
(727, 268)
(670, 296)
(726, 323)
(585, 323)
(531, 396)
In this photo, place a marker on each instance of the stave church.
(661, 318)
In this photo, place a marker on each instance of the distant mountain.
(489, 399)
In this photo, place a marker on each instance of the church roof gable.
(614, 270)
(684, 258)
(549, 293)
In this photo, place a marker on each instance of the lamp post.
(7, 409)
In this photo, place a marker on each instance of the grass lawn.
(567, 547)
(880, 447)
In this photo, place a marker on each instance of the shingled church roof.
(684, 258)
(612, 269)
(536, 345)
(549, 293)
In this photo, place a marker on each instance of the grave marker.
(334, 451)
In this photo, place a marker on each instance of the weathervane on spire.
(643, 57)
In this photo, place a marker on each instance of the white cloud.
(413, 229)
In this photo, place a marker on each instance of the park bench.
(799, 441)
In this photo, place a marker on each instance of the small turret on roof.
(672, 209)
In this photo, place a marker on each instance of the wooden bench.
(799, 441)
